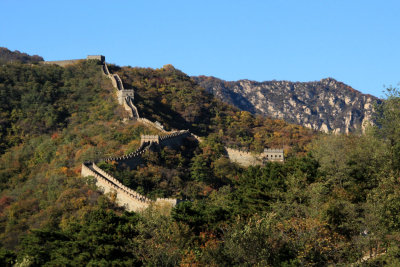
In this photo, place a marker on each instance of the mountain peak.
(325, 105)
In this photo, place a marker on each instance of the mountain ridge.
(325, 105)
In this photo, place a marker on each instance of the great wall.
(130, 199)
(126, 197)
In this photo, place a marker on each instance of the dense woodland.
(336, 199)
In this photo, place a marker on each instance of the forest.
(335, 200)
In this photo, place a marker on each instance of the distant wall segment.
(246, 159)
(62, 63)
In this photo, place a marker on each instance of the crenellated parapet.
(126, 197)
(150, 139)
(174, 139)
(134, 159)
(137, 153)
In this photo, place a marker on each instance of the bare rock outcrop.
(325, 105)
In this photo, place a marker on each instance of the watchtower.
(273, 154)
(96, 57)
(150, 139)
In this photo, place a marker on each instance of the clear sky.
(354, 41)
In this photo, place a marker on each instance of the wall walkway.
(125, 197)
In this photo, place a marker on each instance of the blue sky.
(357, 42)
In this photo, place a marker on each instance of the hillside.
(16, 56)
(326, 105)
(333, 201)
(54, 118)
(170, 96)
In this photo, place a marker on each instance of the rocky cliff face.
(326, 105)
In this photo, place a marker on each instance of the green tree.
(102, 238)
(388, 125)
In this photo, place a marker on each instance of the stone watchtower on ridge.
(273, 154)
(96, 57)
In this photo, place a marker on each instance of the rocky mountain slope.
(326, 105)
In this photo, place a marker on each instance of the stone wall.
(243, 158)
(105, 69)
(149, 139)
(126, 197)
(174, 139)
(125, 96)
(131, 160)
(129, 103)
(129, 106)
(246, 159)
(134, 159)
(152, 124)
(62, 63)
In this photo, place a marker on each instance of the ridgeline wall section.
(130, 199)
(243, 158)
(61, 63)
(126, 197)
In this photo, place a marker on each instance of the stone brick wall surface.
(243, 158)
(125, 196)
(62, 63)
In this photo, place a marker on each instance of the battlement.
(126, 197)
(150, 139)
(243, 158)
(273, 150)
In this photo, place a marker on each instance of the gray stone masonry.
(271, 154)
(97, 57)
(64, 63)
(150, 139)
